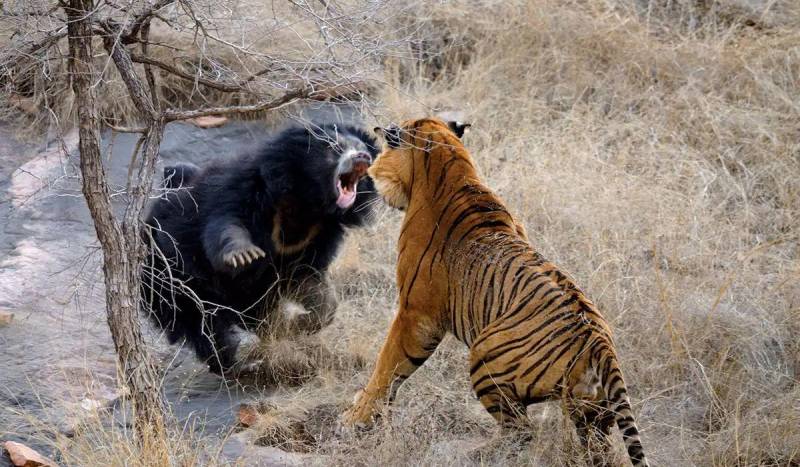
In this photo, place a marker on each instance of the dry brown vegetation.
(652, 149)
(654, 155)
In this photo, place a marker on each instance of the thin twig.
(126, 129)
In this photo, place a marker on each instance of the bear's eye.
(392, 135)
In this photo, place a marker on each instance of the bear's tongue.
(347, 195)
(347, 183)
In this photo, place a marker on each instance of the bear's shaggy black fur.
(228, 240)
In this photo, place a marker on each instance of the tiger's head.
(405, 150)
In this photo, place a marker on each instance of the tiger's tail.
(620, 405)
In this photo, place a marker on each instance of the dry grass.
(652, 149)
(99, 443)
(98, 432)
(656, 158)
(293, 361)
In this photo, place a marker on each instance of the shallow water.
(56, 358)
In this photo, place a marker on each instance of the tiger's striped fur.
(465, 266)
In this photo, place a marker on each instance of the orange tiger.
(465, 266)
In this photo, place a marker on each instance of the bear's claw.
(243, 257)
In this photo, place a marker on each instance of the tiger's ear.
(459, 128)
(391, 135)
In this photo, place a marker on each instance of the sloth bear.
(228, 241)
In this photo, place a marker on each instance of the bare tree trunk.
(120, 244)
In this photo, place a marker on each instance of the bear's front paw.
(243, 256)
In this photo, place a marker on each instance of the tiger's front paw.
(242, 256)
(360, 416)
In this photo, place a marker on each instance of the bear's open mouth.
(351, 171)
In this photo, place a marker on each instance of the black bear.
(227, 241)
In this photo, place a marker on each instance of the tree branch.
(291, 96)
(138, 186)
(148, 70)
(125, 129)
(129, 35)
(306, 92)
(46, 42)
(241, 86)
(122, 59)
(186, 75)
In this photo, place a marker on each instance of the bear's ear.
(459, 128)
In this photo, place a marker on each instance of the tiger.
(465, 266)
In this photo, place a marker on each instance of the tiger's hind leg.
(593, 422)
(494, 387)
(515, 433)
(507, 410)
(584, 400)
